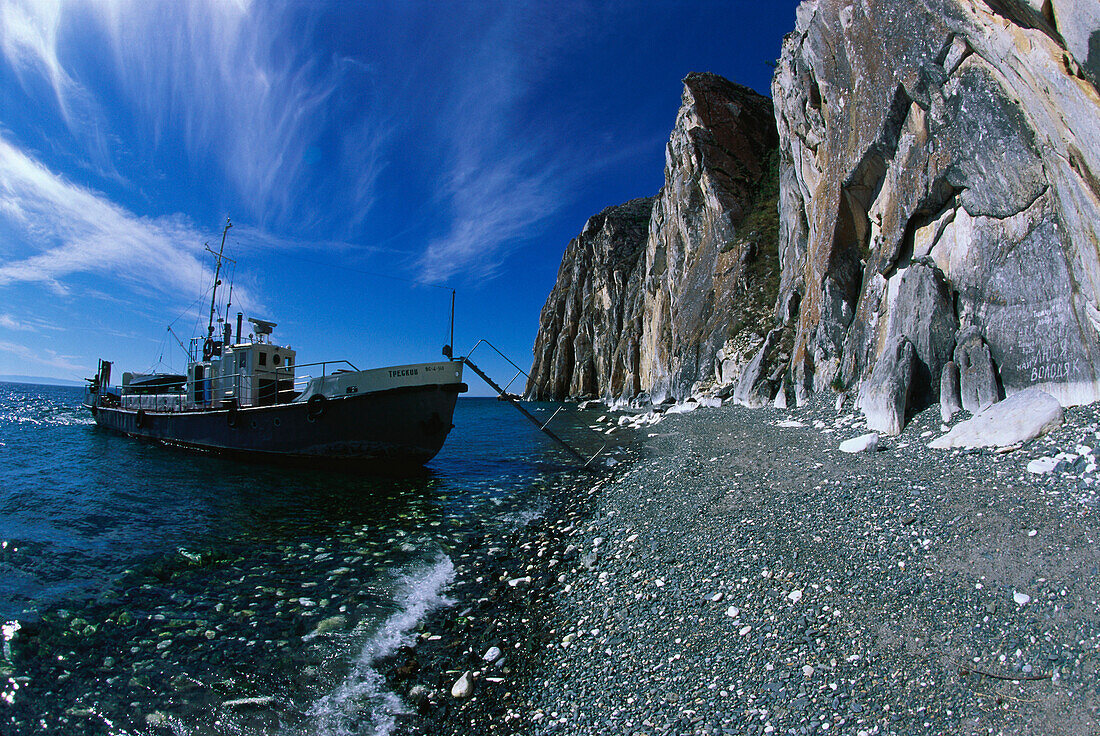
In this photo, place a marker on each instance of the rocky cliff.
(941, 198)
(658, 297)
(581, 350)
(939, 209)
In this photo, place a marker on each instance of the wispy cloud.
(16, 323)
(78, 230)
(505, 173)
(46, 357)
(236, 83)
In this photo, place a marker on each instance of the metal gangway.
(514, 400)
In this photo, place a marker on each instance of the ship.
(246, 396)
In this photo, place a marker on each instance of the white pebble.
(463, 686)
(1042, 465)
(1022, 599)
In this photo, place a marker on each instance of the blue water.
(143, 587)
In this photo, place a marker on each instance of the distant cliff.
(658, 296)
(939, 219)
(580, 346)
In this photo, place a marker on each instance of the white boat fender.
(315, 406)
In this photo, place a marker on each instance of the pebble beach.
(742, 575)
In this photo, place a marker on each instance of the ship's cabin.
(250, 372)
(221, 373)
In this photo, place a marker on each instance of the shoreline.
(744, 577)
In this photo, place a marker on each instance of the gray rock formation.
(977, 376)
(884, 396)
(960, 138)
(709, 282)
(938, 183)
(685, 298)
(950, 401)
(581, 349)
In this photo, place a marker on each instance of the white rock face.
(863, 443)
(1018, 418)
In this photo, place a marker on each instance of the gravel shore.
(743, 577)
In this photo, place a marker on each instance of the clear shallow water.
(144, 588)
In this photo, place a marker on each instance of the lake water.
(146, 589)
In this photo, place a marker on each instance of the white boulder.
(1042, 465)
(863, 443)
(1018, 418)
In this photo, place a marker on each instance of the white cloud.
(235, 84)
(8, 322)
(34, 359)
(77, 230)
(504, 173)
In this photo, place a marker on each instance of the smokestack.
(240, 316)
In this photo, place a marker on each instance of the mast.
(217, 272)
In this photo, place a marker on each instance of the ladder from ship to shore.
(514, 400)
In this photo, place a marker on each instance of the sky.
(372, 157)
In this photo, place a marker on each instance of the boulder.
(884, 396)
(1020, 417)
(863, 443)
(949, 391)
(977, 377)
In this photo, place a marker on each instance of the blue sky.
(368, 153)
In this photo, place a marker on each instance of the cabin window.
(276, 358)
(263, 358)
(290, 360)
(241, 361)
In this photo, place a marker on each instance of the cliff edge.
(661, 296)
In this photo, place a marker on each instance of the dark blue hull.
(392, 429)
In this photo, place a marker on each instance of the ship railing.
(235, 389)
(301, 382)
(516, 401)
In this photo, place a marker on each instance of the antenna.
(229, 303)
(218, 257)
(448, 349)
